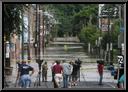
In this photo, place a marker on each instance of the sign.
(104, 28)
(104, 23)
(120, 59)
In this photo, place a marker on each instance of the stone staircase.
(56, 50)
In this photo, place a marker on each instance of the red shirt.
(100, 68)
(57, 68)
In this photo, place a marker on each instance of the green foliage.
(89, 34)
(12, 19)
(72, 16)
(87, 14)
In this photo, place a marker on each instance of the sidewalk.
(82, 84)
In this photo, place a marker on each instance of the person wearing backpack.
(23, 74)
(67, 70)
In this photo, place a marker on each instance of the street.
(89, 33)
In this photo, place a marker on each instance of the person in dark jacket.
(23, 74)
(78, 62)
(74, 74)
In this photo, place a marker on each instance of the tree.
(12, 23)
(88, 14)
(89, 34)
(64, 14)
(12, 19)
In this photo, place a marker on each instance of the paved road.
(82, 84)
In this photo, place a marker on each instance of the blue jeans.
(25, 81)
(101, 78)
(65, 80)
(20, 82)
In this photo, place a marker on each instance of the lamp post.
(22, 37)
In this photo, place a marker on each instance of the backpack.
(70, 69)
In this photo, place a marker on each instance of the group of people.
(117, 73)
(68, 71)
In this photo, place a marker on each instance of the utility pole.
(37, 41)
(43, 34)
(120, 25)
(36, 35)
(109, 37)
(39, 62)
(22, 37)
(29, 23)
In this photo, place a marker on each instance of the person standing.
(23, 74)
(78, 62)
(70, 76)
(57, 69)
(100, 71)
(74, 74)
(44, 72)
(67, 70)
(121, 81)
(120, 75)
(53, 74)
